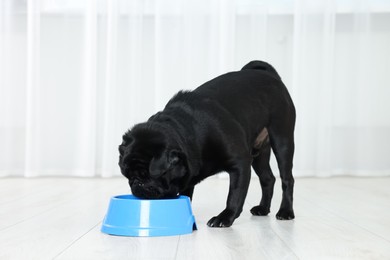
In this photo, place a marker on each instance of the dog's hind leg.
(262, 168)
(282, 143)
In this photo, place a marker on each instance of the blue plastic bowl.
(128, 215)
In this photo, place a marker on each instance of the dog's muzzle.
(145, 190)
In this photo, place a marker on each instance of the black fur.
(227, 124)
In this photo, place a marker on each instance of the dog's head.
(154, 165)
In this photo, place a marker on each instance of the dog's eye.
(173, 158)
(175, 161)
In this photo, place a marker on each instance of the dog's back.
(251, 96)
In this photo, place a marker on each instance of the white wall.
(99, 70)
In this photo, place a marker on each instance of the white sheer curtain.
(74, 75)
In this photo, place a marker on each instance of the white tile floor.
(60, 218)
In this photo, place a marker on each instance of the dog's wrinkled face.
(153, 168)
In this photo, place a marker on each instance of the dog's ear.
(161, 164)
(127, 139)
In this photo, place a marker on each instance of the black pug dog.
(227, 124)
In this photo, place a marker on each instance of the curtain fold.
(75, 75)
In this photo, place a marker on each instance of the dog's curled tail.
(261, 65)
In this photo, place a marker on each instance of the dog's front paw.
(225, 219)
(285, 214)
(260, 211)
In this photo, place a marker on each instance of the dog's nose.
(138, 183)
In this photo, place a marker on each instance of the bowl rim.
(131, 197)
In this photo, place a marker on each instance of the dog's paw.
(260, 211)
(217, 222)
(285, 214)
(225, 219)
